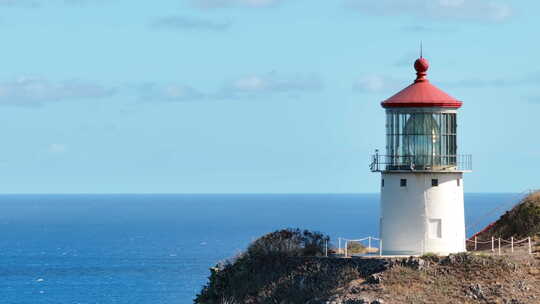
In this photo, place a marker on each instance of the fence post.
(492, 244)
(380, 245)
(475, 243)
(346, 248)
(530, 247)
(512, 243)
(499, 246)
(369, 243)
(339, 245)
(326, 248)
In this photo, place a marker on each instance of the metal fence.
(500, 246)
(421, 162)
(369, 241)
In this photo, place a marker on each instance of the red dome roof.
(421, 93)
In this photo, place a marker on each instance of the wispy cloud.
(258, 85)
(38, 3)
(427, 29)
(188, 23)
(377, 83)
(210, 4)
(530, 79)
(473, 10)
(384, 83)
(251, 86)
(35, 91)
(57, 148)
(23, 3)
(170, 92)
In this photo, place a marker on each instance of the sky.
(254, 96)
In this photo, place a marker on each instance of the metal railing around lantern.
(381, 163)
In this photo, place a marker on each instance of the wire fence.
(500, 246)
(369, 249)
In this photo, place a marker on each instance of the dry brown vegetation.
(464, 278)
(521, 221)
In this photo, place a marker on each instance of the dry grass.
(470, 279)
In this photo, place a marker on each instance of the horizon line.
(222, 193)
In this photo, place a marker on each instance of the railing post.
(380, 245)
(346, 248)
(492, 244)
(499, 246)
(475, 243)
(339, 245)
(369, 243)
(512, 243)
(326, 248)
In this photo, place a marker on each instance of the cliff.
(462, 278)
(287, 267)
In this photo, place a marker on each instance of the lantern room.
(421, 128)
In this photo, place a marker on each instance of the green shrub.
(290, 242)
(354, 247)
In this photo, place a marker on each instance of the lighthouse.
(422, 208)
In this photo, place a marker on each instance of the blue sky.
(271, 96)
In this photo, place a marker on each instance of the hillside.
(522, 221)
(288, 267)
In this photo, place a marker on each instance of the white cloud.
(208, 4)
(34, 91)
(57, 148)
(265, 84)
(38, 3)
(188, 23)
(524, 80)
(170, 92)
(24, 3)
(474, 10)
(377, 83)
(251, 86)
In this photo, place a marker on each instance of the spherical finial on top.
(421, 65)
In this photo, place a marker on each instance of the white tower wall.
(419, 217)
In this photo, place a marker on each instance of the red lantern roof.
(421, 93)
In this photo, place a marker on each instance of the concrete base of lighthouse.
(424, 213)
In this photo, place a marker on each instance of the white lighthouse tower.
(421, 173)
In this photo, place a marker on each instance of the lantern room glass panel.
(421, 140)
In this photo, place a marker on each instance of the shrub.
(290, 242)
(520, 222)
(354, 247)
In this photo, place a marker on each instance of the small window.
(435, 228)
(403, 182)
(435, 182)
(382, 182)
(458, 182)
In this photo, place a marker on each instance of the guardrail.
(474, 244)
(381, 163)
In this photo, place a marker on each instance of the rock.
(374, 279)
(357, 301)
(521, 285)
(378, 301)
(476, 292)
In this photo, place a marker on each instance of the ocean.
(156, 249)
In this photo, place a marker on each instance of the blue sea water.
(156, 249)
